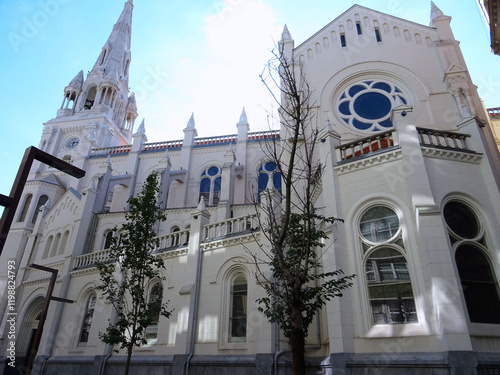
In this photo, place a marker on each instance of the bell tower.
(97, 110)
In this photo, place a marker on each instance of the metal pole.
(12, 201)
(43, 315)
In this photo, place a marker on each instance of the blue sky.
(187, 56)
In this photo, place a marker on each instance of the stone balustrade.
(230, 227)
(90, 259)
(365, 146)
(174, 239)
(446, 139)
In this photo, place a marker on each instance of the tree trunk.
(129, 357)
(297, 343)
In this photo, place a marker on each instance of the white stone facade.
(410, 165)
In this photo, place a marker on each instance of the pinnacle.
(285, 35)
(435, 11)
(191, 123)
(243, 117)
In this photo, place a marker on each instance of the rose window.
(367, 105)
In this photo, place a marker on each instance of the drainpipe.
(195, 311)
(103, 365)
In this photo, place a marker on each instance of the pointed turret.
(191, 124)
(77, 82)
(131, 113)
(243, 117)
(285, 35)
(243, 126)
(438, 17)
(435, 11)
(286, 44)
(71, 93)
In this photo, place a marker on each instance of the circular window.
(368, 105)
(212, 171)
(461, 220)
(379, 224)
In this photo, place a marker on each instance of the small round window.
(379, 224)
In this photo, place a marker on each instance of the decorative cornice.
(466, 157)
(370, 161)
(229, 241)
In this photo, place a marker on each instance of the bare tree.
(293, 242)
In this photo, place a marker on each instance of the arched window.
(41, 201)
(238, 308)
(388, 279)
(64, 241)
(154, 304)
(48, 246)
(108, 239)
(26, 206)
(87, 320)
(479, 285)
(175, 236)
(89, 101)
(55, 246)
(268, 171)
(210, 185)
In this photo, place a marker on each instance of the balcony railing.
(263, 135)
(174, 239)
(163, 145)
(209, 141)
(443, 139)
(366, 146)
(111, 150)
(210, 232)
(90, 259)
(230, 227)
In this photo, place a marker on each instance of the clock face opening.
(72, 143)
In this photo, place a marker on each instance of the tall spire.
(115, 55)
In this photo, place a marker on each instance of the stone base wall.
(449, 363)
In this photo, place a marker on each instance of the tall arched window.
(48, 246)
(210, 185)
(175, 236)
(64, 241)
(55, 246)
(388, 279)
(154, 303)
(108, 239)
(238, 308)
(41, 201)
(87, 320)
(89, 101)
(268, 171)
(26, 206)
(479, 285)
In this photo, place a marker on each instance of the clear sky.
(187, 56)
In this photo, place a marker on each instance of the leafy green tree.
(131, 268)
(292, 224)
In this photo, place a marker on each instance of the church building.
(410, 165)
